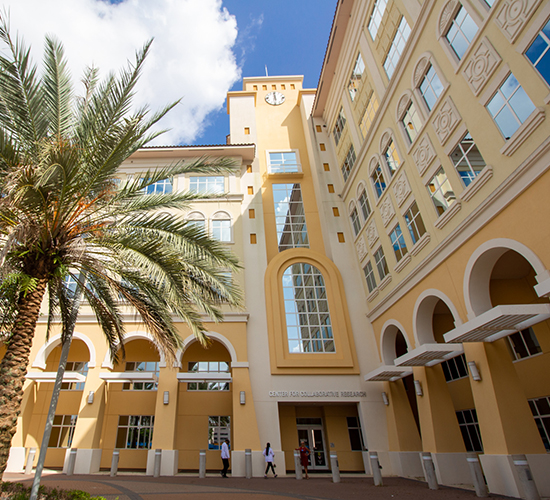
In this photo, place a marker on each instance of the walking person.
(304, 456)
(269, 455)
(225, 457)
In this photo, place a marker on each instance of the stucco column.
(18, 452)
(164, 435)
(87, 434)
(505, 420)
(403, 436)
(440, 430)
(244, 425)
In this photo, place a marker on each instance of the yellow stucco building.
(393, 227)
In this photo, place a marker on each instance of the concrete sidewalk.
(213, 487)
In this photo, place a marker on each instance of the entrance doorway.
(310, 430)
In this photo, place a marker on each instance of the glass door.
(312, 434)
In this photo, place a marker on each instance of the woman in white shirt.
(269, 455)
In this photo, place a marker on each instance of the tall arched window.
(308, 324)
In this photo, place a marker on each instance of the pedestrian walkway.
(213, 487)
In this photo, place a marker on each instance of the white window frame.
(368, 271)
(146, 367)
(413, 222)
(339, 126)
(67, 424)
(348, 163)
(354, 219)
(369, 114)
(208, 367)
(473, 173)
(221, 232)
(381, 263)
(138, 427)
(397, 47)
(521, 337)
(297, 164)
(356, 78)
(410, 118)
(396, 237)
(362, 190)
(378, 181)
(376, 17)
(196, 179)
(218, 433)
(439, 188)
(425, 63)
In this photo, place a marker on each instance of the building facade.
(392, 230)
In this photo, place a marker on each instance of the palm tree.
(64, 213)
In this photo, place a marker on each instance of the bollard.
(158, 456)
(72, 461)
(525, 478)
(202, 464)
(477, 475)
(375, 466)
(297, 464)
(114, 463)
(30, 461)
(335, 468)
(248, 462)
(429, 470)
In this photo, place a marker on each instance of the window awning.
(429, 355)
(204, 377)
(388, 373)
(499, 322)
(125, 377)
(68, 376)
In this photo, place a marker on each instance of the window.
(469, 426)
(411, 123)
(145, 367)
(163, 186)
(199, 224)
(541, 411)
(392, 158)
(539, 52)
(207, 185)
(381, 263)
(62, 431)
(378, 182)
(349, 162)
(219, 429)
(135, 432)
(397, 47)
(430, 87)
(398, 243)
(221, 229)
(355, 434)
(356, 76)
(364, 204)
(339, 126)
(455, 368)
(79, 367)
(376, 17)
(355, 222)
(283, 162)
(368, 115)
(441, 192)
(467, 159)
(461, 32)
(308, 324)
(369, 276)
(290, 218)
(415, 224)
(207, 367)
(524, 344)
(510, 106)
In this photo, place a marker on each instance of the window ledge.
(385, 282)
(420, 244)
(481, 179)
(402, 263)
(448, 215)
(531, 356)
(371, 296)
(523, 132)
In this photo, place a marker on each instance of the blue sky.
(289, 36)
(201, 49)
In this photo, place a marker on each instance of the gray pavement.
(189, 487)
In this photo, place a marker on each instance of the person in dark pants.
(225, 457)
(269, 455)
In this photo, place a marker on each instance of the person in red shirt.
(304, 456)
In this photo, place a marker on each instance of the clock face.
(275, 98)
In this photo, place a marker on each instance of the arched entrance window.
(308, 324)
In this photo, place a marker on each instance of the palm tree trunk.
(13, 367)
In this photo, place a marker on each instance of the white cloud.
(192, 55)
